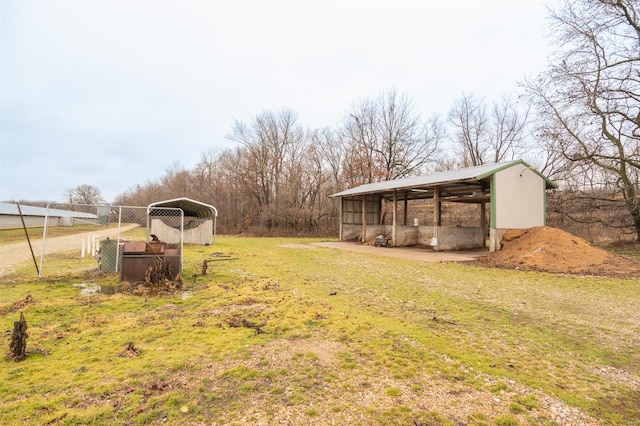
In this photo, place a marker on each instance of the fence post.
(44, 238)
(118, 239)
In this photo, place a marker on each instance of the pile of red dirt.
(553, 250)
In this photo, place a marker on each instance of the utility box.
(110, 256)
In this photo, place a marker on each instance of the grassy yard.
(290, 333)
(8, 236)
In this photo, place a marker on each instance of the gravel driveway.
(11, 255)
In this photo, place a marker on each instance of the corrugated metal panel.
(519, 198)
(470, 173)
(189, 207)
(12, 209)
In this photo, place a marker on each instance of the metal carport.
(196, 215)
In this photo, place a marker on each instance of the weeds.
(262, 339)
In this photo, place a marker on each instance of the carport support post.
(395, 217)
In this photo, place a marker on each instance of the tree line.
(279, 175)
(578, 122)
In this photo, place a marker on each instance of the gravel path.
(11, 255)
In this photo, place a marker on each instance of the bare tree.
(482, 137)
(510, 128)
(270, 145)
(83, 194)
(590, 98)
(176, 182)
(471, 136)
(385, 139)
(206, 177)
(332, 152)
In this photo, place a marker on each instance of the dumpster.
(138, 256)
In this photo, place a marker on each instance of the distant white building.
(34, 217)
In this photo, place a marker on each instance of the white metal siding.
(519, 197)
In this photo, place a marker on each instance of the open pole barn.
(514, 191)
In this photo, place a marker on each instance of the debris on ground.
(22, 303)
(553, 250)
(205, 266)
(18, 344)
(130, 352)
(236, 321)
(159, 271)
(382, 241)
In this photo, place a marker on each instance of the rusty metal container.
(134, 247)
(137, 256)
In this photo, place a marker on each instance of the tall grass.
(317, 336)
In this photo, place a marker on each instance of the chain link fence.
(113, 239)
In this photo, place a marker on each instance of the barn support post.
(483, 219)
(436, 217)
(364, 219)
(406, 210)
(395, 217)
(436, 206)
(340, 215)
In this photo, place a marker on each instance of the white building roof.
(11, 209)
(189, 207)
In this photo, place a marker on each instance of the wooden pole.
(341, 219)
(28, 240)
(395, 217)
(18, 344)
(436, 206)
(364, 219)
(406, 209)
(483, 218)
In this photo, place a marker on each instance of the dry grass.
(285, 335)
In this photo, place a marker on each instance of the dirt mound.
(553, 250)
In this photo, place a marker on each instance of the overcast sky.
(112, 93)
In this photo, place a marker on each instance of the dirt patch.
(553, 250)
(421, 254)
(297, 245)
(22, 303)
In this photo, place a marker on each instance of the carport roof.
(455, 183)
(189, 207)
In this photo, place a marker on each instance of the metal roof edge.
(158, 204)
(498, 166)
(504, 166)
(27, 210)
